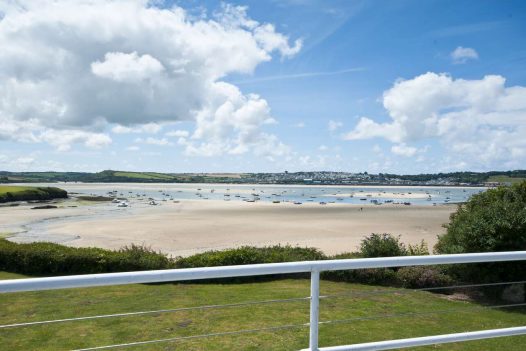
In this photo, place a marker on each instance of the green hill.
(10, 193)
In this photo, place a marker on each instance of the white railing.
(314, 267)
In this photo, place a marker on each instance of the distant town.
(493, 178)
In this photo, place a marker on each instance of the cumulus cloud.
(150, 128)
(462, 55)
(75, 67)
(403, 150)
(154, 141)
(480, 122)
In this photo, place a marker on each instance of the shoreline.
(268, 185)
(193, 226)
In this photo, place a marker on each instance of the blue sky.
(378, 86)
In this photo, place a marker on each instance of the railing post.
(314, 309)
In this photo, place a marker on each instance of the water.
(364, 195)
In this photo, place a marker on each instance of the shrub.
(54, 259)
(250, 255)
(382, 245)
(420, 249)
(419, 277)
(494, 220)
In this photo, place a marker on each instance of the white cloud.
(323, 148)
(178, 133)
(133, 148)
(81, 65)
(462, 55)
(154, 141)
(334, 125)
(403, 150)
(299, 125)
(150, 128)
(122, 67)
(480, 122)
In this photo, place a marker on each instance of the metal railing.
(314, 267)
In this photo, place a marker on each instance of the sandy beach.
(193, 226)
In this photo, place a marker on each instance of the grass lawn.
(45, 305)
(14, 188)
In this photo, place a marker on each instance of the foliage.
(491, 221)
(382, 245)
(420, 249)
(24, 193)
(54, 259)
(419, 277)
(250, 255)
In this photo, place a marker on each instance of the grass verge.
(45, 305)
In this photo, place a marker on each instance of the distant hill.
(343, 178)
(110, 176)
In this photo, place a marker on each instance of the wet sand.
(193, 226)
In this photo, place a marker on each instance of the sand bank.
(195, 225)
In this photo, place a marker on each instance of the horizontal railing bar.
(429, 340)
(386, 291)
(187, 274)
(142, 313)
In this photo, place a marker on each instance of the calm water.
(303, 194)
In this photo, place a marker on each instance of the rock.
(45, 207)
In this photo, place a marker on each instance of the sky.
(263, 86)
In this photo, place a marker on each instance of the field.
(505, 179)
(368, 311)
(145, 175)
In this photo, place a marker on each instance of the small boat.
(122, 204)
(323, 203)
(276, 202)
(152, 203)
(297, 203)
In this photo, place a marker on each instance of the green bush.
(382, 245)
(494, 220)
(250, 255)
(419, 277)
(55, 259)
(42, 259)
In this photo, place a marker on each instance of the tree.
(494, 220)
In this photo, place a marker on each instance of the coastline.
(193, 226)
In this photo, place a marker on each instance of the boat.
(152, 203)
(276, 202)
(122, 204)
(297, 203)
(323, 203)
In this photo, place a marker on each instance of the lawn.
(14, 188)
(360, 302)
